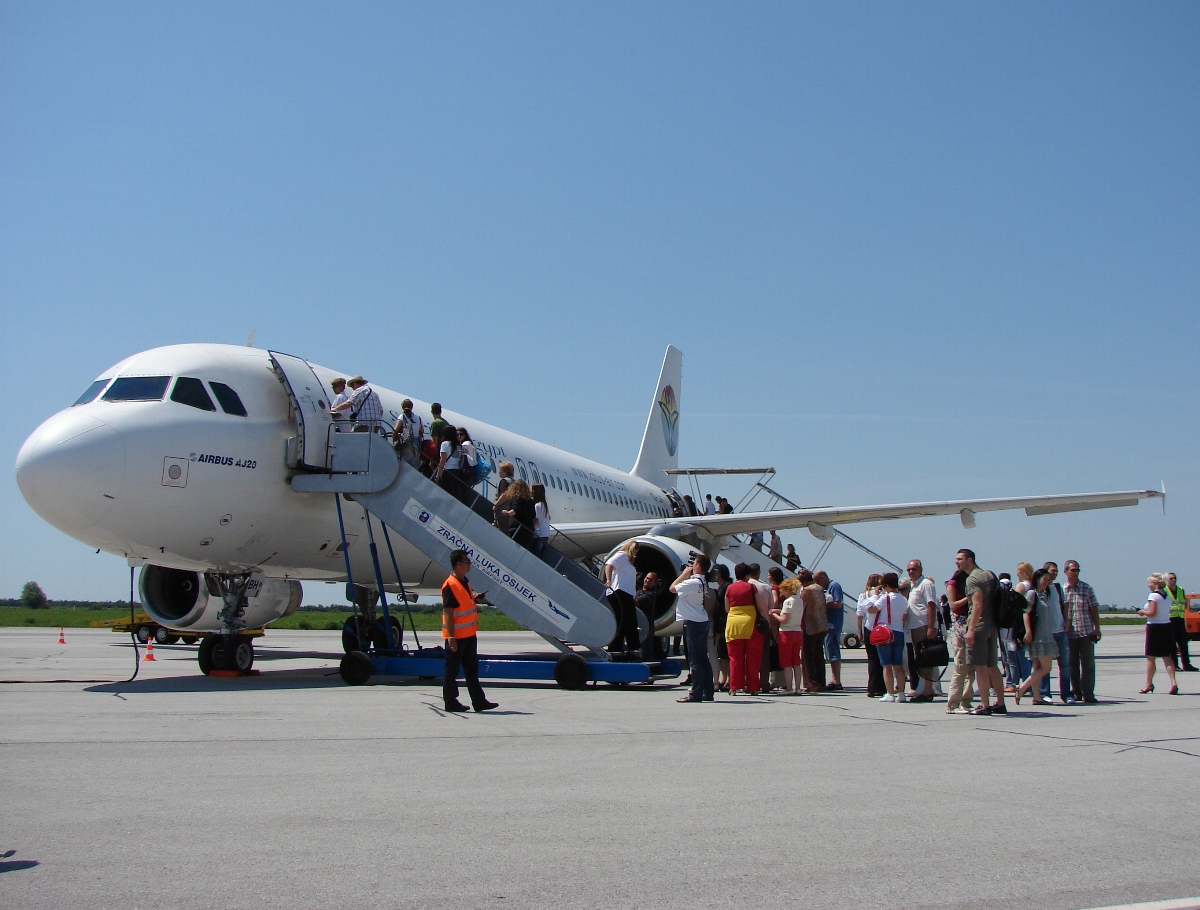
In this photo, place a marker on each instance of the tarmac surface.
(292, 790)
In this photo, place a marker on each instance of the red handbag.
(882, 635)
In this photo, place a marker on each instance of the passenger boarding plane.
(214, 469)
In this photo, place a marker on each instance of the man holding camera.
(689, 589)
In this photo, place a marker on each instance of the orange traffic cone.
(61, 638)
(149, 652)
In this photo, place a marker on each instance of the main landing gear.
(229, 650)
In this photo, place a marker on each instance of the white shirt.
(763, 593)
(864, 601)
(792, 611)
(919, 599)
(1162, 612)
(416, 428)
(454, 460)
(624, 574)
(898, 608)
(689, 600)
(469, 453)
(541, 525)
(340, 398)
(710, 507)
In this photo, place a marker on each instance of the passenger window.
(521, 468)
(191, 392)
(138, 388)
(92, 391)
(230, 402)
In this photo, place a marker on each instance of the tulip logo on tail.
(669, 411)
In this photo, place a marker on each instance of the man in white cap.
(366, 410)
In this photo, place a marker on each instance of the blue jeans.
(1064, 668)
(892, 654)
(1018, 664)
(833, 638)
(695, 635)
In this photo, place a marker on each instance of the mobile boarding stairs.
(550, 595)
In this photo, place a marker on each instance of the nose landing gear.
(229, 650)
(226, 652)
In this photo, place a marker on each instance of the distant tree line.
(34, 598)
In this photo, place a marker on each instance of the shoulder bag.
(932, 652)
(881, 633)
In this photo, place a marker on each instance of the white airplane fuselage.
(167, 483)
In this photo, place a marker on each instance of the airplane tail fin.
(660, 442)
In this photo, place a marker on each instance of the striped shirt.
(1081, 601)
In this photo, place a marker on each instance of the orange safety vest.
(465, 616)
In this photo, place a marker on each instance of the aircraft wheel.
(356, 634)
(571, 672)
(239, 653)
(212, 654)
(143, 634)
(851, 641)
(356, 668)
(379, 640)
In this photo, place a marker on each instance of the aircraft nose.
(71, 470)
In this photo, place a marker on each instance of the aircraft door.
(310, 401)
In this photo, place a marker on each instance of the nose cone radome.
(71, 470)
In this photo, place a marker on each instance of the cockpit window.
(230, 403)
(137, 388)
(191, 392)
(92, 391)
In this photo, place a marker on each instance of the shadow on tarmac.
(286, 679)
(16, 864)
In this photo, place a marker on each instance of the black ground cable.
(137, 661)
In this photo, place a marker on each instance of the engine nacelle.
(189, 602)
(666, 556)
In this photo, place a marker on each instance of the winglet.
(660, 441)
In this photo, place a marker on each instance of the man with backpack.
(408, 434)
(983, 636)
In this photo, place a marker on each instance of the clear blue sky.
(909, 251)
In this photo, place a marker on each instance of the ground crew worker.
(1178, 598)
(460, 624)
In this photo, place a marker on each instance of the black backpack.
(1010, 610)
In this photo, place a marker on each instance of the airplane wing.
(600, 537)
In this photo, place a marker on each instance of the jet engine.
(666, 550)
(189, 602)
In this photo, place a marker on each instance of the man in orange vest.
(459, 627)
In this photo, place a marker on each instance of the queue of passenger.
(781, 637)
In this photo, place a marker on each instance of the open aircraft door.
(311, 403)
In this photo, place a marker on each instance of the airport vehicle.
(218, 471)
(145, 629)
(1191, 617)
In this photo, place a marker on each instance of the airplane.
(208, 466)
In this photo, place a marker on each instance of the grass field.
(81, 618)
(489, 620)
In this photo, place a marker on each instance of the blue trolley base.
(432, 664)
